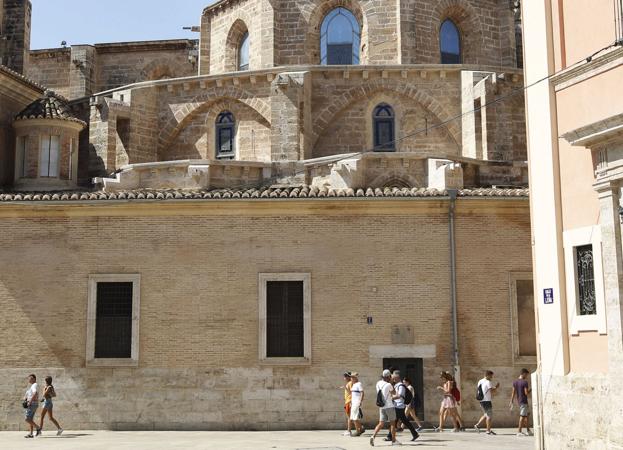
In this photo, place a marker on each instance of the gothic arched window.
(225, 135)
(243, 53)
(450, 43)
(340, 38)
(384, 128)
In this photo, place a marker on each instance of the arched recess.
(158, 69)
(392, 88)
(467, 20)
(235, 36)
(395, 179)
(312, 40)
(201, 103)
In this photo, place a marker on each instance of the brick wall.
(199, 306)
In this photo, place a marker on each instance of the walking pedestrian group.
(31, 403)
(397, 402)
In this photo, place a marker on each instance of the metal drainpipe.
(455, 334)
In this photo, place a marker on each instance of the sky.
(101, 21)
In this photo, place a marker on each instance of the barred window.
(340, 38)
(113, 328)
(285, 321)
(585, 277)
(113, 320)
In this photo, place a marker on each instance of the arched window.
(450, 43)
(340, 37)
(243, 53)
(384, 128)
(225, 135)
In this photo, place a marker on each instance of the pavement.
(282, 440)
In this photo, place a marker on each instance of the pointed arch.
(237, 34)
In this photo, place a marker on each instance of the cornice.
(598, 65)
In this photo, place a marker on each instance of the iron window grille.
(225, 135)
(285, 319)
(384, 128)
(113, 327)
(243, 53)
(585, 273)
(340, 38)
(450, 43)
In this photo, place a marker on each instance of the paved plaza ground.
(296, 440)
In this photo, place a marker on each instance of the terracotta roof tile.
(304, 192)
(21, 77)
(50, 106)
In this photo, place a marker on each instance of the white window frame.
(518, 358)
(264, 278)
(572, 239)
(135, 279)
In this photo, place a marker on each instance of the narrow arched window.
(340, 37)
(384, 128)
(450, 43)
(225, 135)
(243, 53)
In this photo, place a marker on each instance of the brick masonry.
(199, 306)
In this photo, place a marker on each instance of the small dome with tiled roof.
(50, 106)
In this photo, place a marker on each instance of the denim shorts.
(31, 410)
(47, 404)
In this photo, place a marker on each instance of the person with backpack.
(411, 409)
(403, 398)
(448, 403)
(385, 393)
(48, 394)
(484, 394)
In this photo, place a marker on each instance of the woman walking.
(448, 404)
(410, 412)
(48, 394)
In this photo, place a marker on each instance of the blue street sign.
(548, 296)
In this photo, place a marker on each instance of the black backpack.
(408, 397)
(380, 400)
(479, 394)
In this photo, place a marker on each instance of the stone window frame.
(94, 279)
(218, 126)
(518, 358)
(357, 34)
(263, 279)
(391, 147)
(572, 239)
(246, 39)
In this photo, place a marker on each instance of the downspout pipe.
(452, 193)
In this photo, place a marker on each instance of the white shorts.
(354, 412)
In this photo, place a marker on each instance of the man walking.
(387, 413)
(401, 400)
(348, 383)
(357, 395)
(31, 403)
(521, 391)
(485, 390)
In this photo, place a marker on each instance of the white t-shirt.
(401, 390)
(387, 388)
(486, 387)
(357, 392)
(31, 391)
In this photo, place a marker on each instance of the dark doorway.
(412, 368)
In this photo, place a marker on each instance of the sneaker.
(491, 433)
(387, 439)
(372, 442)
(38, 432)
(59, 432)
(29, 436)
(418, 429)
(415, 437)
(476, 428)
(346, 433)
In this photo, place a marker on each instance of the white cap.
(386, 373)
